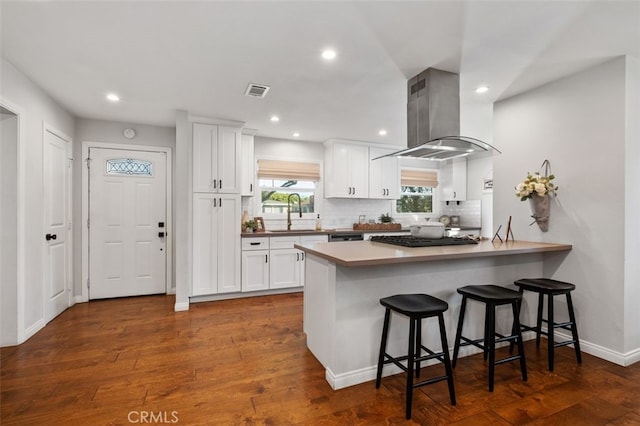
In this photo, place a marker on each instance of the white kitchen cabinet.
(286, 262)
(384, 175)
(255, 270)
(273, 263)
(216, 158)
(248, 166)
(346, 170)
(286, 268)
(216, 244)
(453, 177)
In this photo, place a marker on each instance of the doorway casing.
(170, 289)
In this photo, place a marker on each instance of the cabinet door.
(205, 142)
(229, 245)
(454, 180)
(339, 179)
(255, 270)
(228, 160)
(285, 268)
(384, 175)
(347, 171)
(205, 248)
(359, 171)
(248, 163)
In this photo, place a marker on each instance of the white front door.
(127, 222)
(57, 213)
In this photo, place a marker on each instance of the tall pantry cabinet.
(216, 209)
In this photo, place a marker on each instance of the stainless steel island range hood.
(433, 119)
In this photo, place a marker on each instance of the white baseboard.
(80, 299)
(37, 326)
(182, 306)
(227, 296)
(623, 359)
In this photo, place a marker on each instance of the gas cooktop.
(409, 241)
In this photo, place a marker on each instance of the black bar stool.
(549, 287)
(491, 296)
(416, 307)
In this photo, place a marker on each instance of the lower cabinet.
(255, 270)
(273, 263)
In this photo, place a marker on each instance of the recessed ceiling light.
(328, 54)
(296, 134)
(382, 132)
(113, 97)
(275, 118)
(482, 89)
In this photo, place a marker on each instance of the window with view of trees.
(415, 199)
(279, 179)
(276, 192)
(416, 194)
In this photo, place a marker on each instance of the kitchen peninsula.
(345, 281)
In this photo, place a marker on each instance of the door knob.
(49, 237)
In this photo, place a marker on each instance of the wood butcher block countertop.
(368, 253)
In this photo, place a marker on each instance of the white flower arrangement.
(535, 185)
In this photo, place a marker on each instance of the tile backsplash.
(343, 213)
(470, 212)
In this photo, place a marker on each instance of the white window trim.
(435, 202)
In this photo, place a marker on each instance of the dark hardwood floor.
(244, 362)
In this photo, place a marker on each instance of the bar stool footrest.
(507, 359)
(430, 381)
(469, 342)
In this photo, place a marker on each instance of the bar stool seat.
(551, 288)
(492, 296)
(416, 307)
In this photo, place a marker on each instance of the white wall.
(578, 124)
(632, 207)
(88, 130)
(8, 230)
(38, 108)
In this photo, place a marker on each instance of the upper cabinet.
(384, 175)
(453, 176)
(248, 162)
(216, 159)
(346, 170)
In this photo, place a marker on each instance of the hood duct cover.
(433, 119)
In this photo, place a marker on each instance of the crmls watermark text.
(153, 417)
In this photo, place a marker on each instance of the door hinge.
(88, 283)
(88, 160)
(87, 223)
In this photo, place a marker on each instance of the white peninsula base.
(343, 316)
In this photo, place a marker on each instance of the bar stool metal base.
(416, 307)
(492, 296)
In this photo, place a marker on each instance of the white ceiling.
(200, 56)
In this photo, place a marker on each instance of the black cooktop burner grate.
(409, 241)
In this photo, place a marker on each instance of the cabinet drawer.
(283, 242)
(255, 243)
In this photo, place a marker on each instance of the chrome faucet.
(289, 208)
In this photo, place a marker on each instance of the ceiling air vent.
(256, 90)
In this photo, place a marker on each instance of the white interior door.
(57, 213)
(127, 222)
